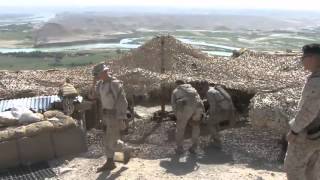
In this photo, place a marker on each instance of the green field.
(9, 62)
(21, 33)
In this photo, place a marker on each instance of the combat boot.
(193, 149)
(216, 142)
(127, 155)
(108, 166)
(179, 150)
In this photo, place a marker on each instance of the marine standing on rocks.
(188, 108)
(221, 108)
(114, 104)
(302, 160)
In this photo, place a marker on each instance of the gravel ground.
(247, 153)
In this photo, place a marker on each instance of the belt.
(109, 111)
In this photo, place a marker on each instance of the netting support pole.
(162, 71)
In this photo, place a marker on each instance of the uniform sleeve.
(211, 100)
(173, 101)
(97, 91)
(309, 108)
(121, 103)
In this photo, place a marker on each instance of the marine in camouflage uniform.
(221, 109)
(188, 108)
(114, 107)
(302, 160)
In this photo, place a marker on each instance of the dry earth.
(247, 153)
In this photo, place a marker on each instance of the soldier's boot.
(216, 142)
(179, 150)
(127, 155)
(108, 166)
(193, 149)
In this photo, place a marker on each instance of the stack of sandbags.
(25, 131)
(7, 119)
(38, 128)
(18, 116)
(55, 121)
(59, 120)
(25, 116)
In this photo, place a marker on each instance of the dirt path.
(186, 168)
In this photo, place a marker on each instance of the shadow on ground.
(111, 175)
(178, 167)
(182, 165)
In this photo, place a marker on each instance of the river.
(126, 43)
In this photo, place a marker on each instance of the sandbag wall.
(40, 141)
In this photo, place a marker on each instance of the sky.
(228, 4)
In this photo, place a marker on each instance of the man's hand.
(291, 137)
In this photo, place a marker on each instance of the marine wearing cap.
(303, 154)
(99, 69)
(109, 91)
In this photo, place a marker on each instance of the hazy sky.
(238, 4)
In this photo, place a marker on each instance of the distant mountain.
(49, 31)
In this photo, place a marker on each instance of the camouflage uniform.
(188, 107)
(114, 108)
(303, 153)
(221, 109)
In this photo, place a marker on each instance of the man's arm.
(121, 103)
(173, 101)
(212, 100)
(309, 109)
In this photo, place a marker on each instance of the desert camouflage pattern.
(188, 108)
(302, 158)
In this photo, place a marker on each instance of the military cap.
(179, 82)
(99, 68)
(311, 49)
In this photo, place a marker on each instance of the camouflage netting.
(40, 82)
(276, 78)
(274, 110)
(250, 72)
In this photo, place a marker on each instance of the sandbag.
(7, 119)
(62, 123)
(12, 133)
(27, 118)
(59, 120)
(53, 113)
(4, 135)
(17, 111)
(38, 128)
(17, 132)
